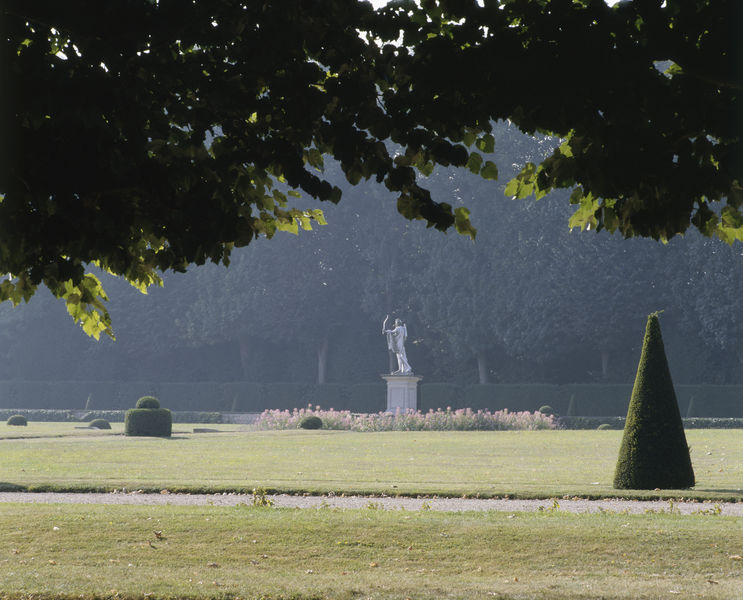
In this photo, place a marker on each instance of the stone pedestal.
(402, 392)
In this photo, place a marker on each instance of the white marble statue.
(396, 343)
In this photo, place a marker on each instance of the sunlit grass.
(204, 552)
(518, 463)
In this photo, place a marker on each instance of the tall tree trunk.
(322, 360)
(244, 342)
(482, 368)
(604, 364)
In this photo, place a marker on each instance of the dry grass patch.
(210, 552)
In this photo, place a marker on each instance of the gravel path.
(387, 503)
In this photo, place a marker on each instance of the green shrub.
(367, 397)
(329, 395)
(515, 397)
(100, 424)
(547, 410)
(591, 422)
(194, 395)
(152, 422)
(440, 395)
(654, 452)
(118, 416)
(37, 414)
(603, 427)
(286, 395)
(148, 402)
(311, 422)
(148, 419)
(17, 420)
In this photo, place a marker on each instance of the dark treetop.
(143, 135)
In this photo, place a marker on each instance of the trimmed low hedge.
(17, 421)
(367, 397)
(618, 423)
(151, 422)
(601, 400)
(439, 395)
(591, 422)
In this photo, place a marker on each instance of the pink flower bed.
(463, 419)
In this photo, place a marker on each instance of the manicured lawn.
(517, 463)
(95, 551)
(206, 552)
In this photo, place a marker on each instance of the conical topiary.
(654, 453)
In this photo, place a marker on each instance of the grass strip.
(519, 464)
(74, 551)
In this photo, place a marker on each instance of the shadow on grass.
(12, 487)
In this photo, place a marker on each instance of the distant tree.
(654, 452)
(711, 294)
(301, 293)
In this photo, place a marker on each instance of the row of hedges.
(41, 415)
(618, 423)
(573, 400)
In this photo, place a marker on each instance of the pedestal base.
(402, 392)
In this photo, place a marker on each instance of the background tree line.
(528, 301)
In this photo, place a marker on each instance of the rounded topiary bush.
(603, 427)
(148, 402)
(100, 424)
(547, 410)
(154, 422)
(311, 422)
(18, 420)
(148, 419)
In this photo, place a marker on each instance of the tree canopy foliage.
(147, 135)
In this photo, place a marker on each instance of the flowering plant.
(463, 419)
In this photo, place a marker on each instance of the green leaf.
(288, 226)
(319, 216)
(512, 188)
(462, 222)
(474, 163)
(489, 171)
(353, 175)
(314, 157)
(425, 168)
(486, 143)
(305, 222)
(566, 150)
(585, 216)
(84, 302)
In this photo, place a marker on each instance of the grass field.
(203, 552)
(516, 463)
(247, 552)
